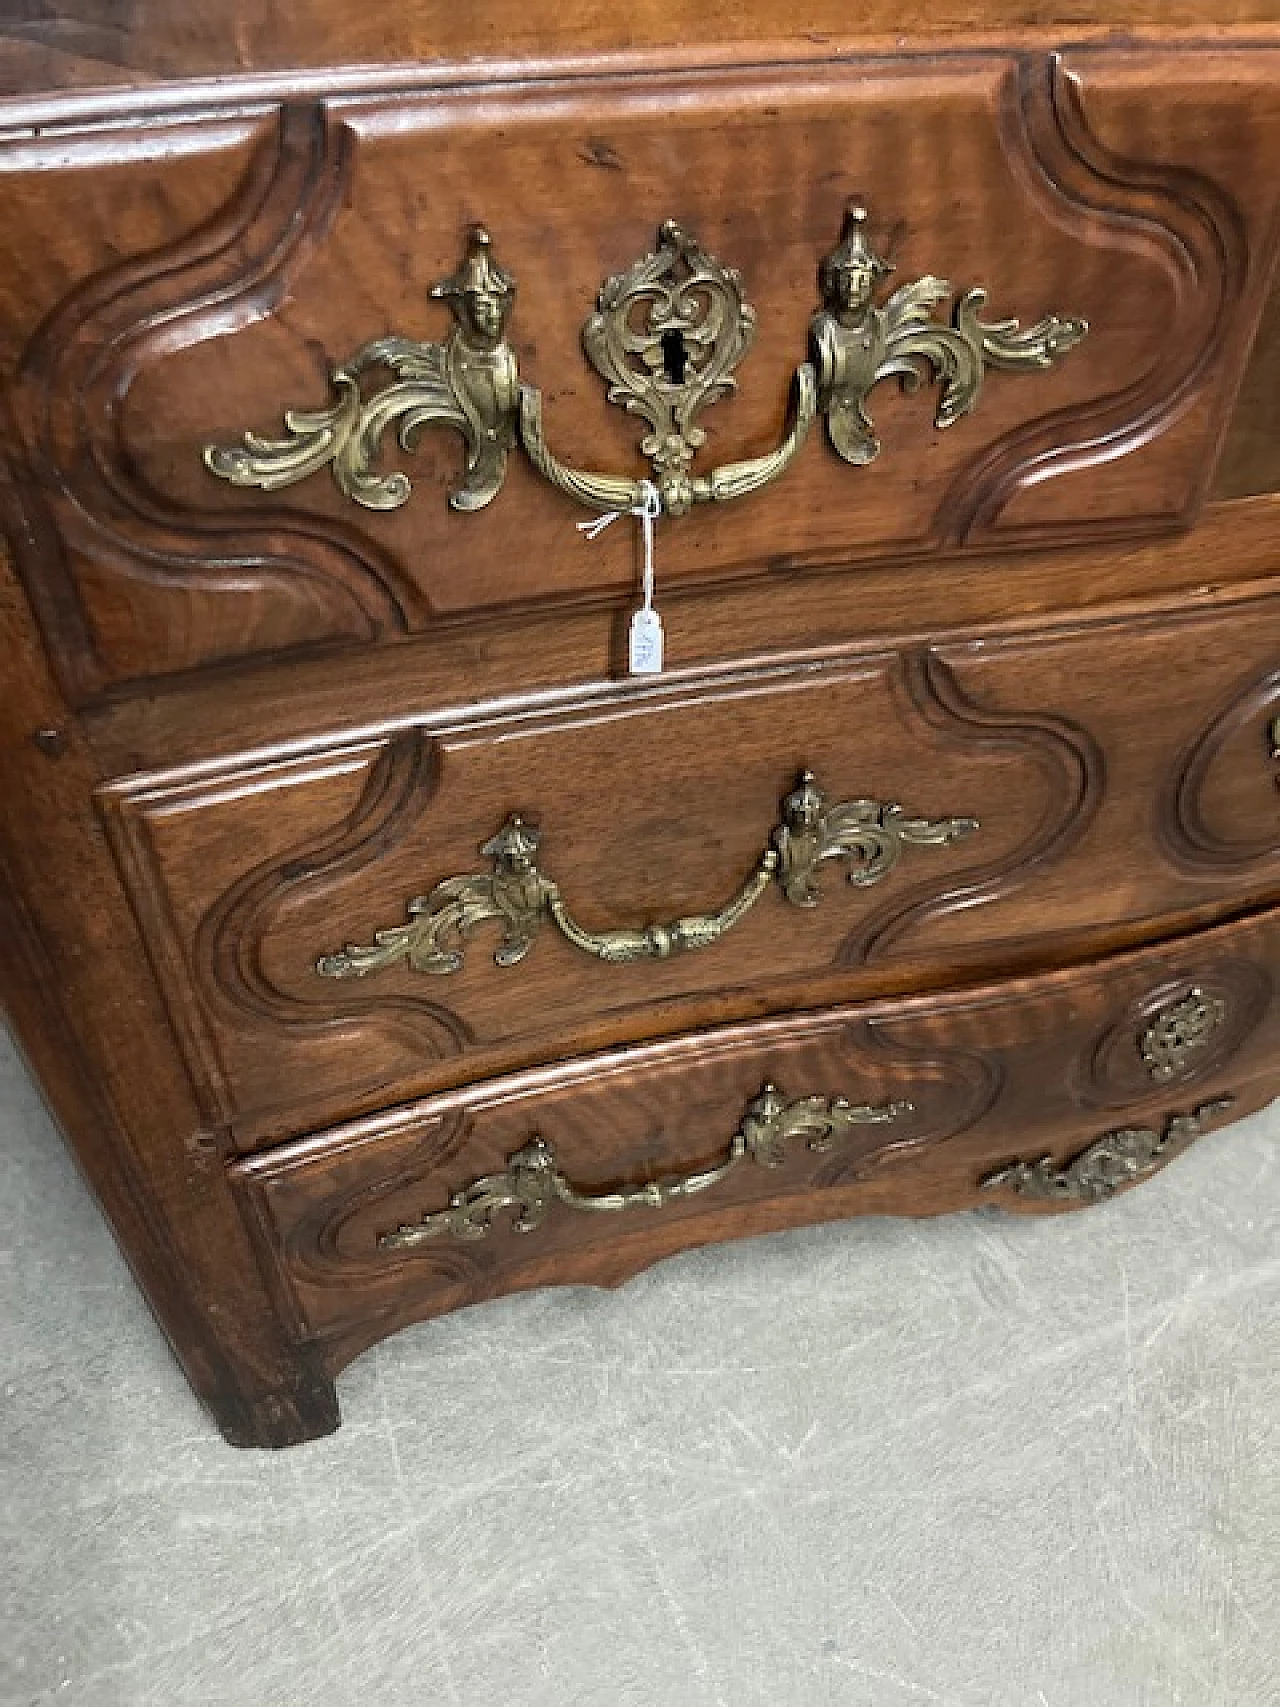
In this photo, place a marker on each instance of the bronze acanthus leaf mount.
(469, 382)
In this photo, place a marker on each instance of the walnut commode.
(382, 943)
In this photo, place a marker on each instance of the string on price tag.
(645, 644)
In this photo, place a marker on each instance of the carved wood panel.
(1115, 184)
(1218, 810)
(244, 876)
(657, 807)
(994, 1076)
(1146, 684)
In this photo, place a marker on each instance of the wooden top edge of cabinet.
(163, 51)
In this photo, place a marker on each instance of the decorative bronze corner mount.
(667, 336)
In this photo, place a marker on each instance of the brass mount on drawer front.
(1117, 1159)
(532, 1183)
(667, 336)
(868, 835)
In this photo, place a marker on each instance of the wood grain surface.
(1016, 1071)
(1129, 185)
(237, 731)
(92, 44)
(1112, 804)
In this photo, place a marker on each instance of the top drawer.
(1123, 187)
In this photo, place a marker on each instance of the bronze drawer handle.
(667, 337)
(676, 486)
(869, 834)
(1116, 1159)
(532, 1183)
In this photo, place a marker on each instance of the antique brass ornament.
(867, 834)
(532, 1184)
(469, 382)
(667, 337)
(1178, 1031)
(857, 343)
(1116, 1159)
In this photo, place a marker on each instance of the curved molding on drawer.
(966, 1082)
(319, 1245)
(220, 968)
(992, 1073)
(1119, 1068)
(228, 956)
(73, 389)
(1182, 828)
(1075, 768)
(241, 873)
(1176, 218)
(148, 574)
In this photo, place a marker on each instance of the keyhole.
(675, 358)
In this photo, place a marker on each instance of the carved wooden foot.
(286, 1415)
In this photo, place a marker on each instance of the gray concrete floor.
(975, 1463)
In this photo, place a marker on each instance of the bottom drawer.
(1030, 1094)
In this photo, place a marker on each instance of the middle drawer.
(638, 859)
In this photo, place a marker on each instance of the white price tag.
(646, 643)
(646, 625)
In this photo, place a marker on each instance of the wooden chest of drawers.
(383, 940)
